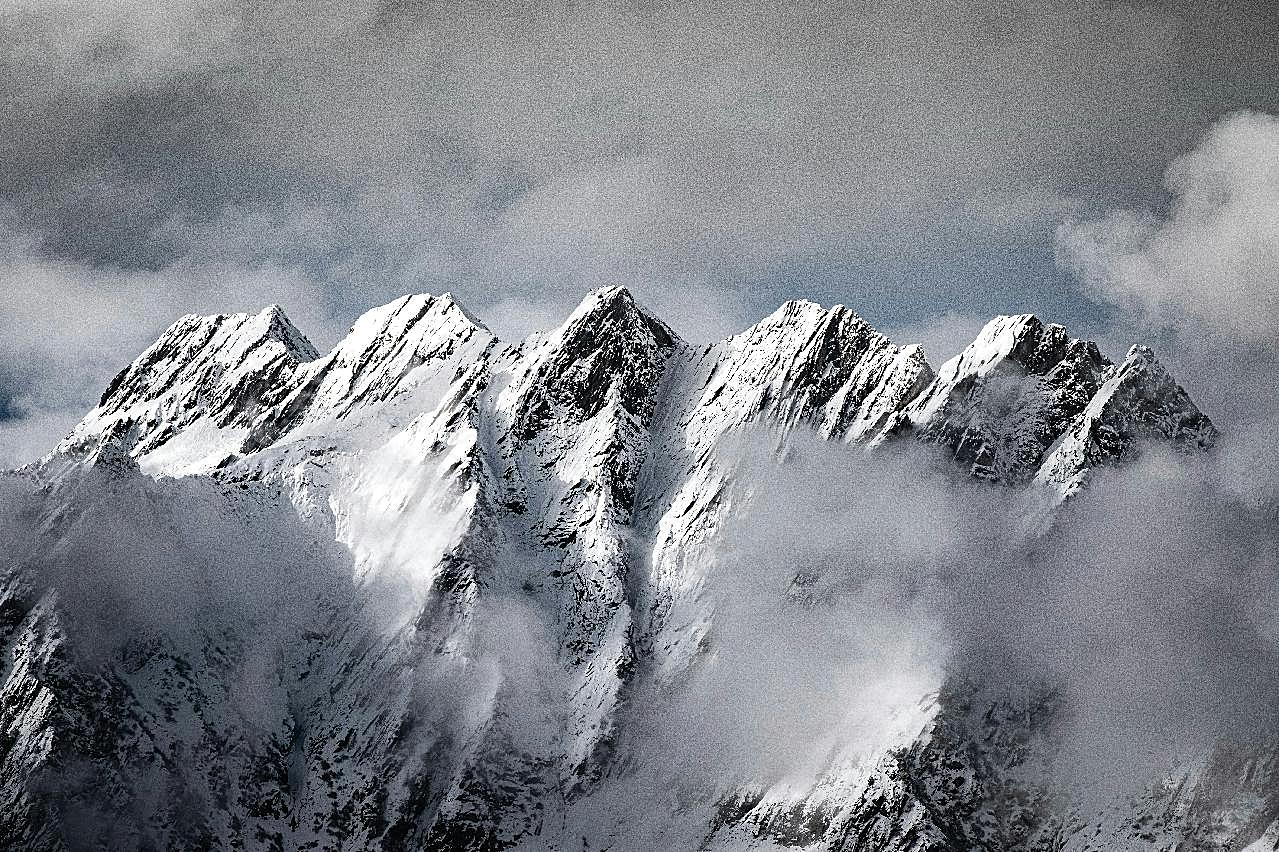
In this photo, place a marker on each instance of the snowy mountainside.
(424, 590)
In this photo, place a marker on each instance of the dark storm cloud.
(904, 159)
(653, 136)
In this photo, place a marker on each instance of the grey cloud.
(716, 158)
(703, 135)
(1214, 259)
(1202, 279)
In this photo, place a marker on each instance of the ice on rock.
(1001, 403)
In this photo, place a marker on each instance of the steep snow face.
(572, 411)
(609, 352)
(414, 344)
(804, 364)
(515, 542)
(802, 367)
(189, 400)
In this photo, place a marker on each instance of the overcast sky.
(929, 164)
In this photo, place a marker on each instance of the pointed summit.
(801, 313)
(1020, 344)
(197, 343)
(216, 370)
(389, 351)
(1139, 403)
(418, 324)
(603, 298)
(448, 302)
(1001, 403)
(614, 294)
(608, 348)
(280, 327)
(611, 311)
(823, 366)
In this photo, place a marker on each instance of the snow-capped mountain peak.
(235, 384)
(522, 535)
(1139, 403)
(608, 348)
(389, 350)
(198, 388)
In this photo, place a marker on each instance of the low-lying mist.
(850, 593)
(855, 587)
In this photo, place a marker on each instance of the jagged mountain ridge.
(826, 368)
(576, 474)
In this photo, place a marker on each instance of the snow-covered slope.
(420, 591)
(191, 397)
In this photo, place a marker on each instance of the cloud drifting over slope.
(1146, 608)
(1144, 613)
(1202, 282)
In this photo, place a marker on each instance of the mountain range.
(436, 590)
